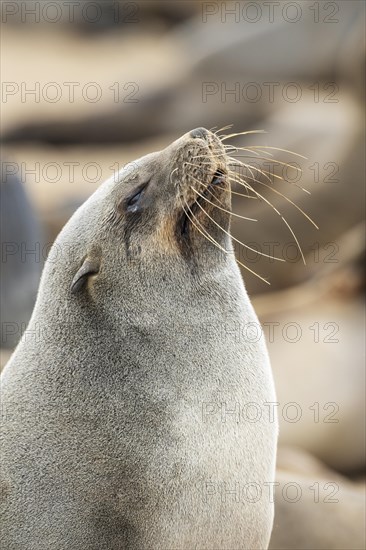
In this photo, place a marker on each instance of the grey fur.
(121, 426)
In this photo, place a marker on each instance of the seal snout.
(199, 133)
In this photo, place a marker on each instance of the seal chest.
(138, 403)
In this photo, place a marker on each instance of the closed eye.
(132, 201)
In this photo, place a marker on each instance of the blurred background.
(88, 86)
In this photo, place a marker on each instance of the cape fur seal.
(124, 400)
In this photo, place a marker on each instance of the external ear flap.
(89, 267)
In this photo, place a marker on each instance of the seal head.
(165, 204)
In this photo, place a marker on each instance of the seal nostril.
(199, 133)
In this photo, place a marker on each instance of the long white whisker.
(228, 136)
(223, 209)
(231, 236)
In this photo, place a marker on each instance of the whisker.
(236, 193)
(250, 168)
(227, 127)
(208, 236)
(297, 242)
(231, 236)
(223, 188)
(207, 156)
(282, 179)
(200, 229)
(291, 202)
(217, 199)
(228, 136)
(170, 177)
(197, 165)
(234, 161)
(243, 183)
(278, 149)
(283, 218)
(247, 187)
(228, 191)
(264, 172)
(278, 161)
(223, 209)
(207, 189)
(251, 177)
(240, 263)
(233, 149)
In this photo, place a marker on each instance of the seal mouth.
(217, 182)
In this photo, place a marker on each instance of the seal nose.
(199, 133)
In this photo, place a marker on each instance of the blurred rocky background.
(88, 86)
